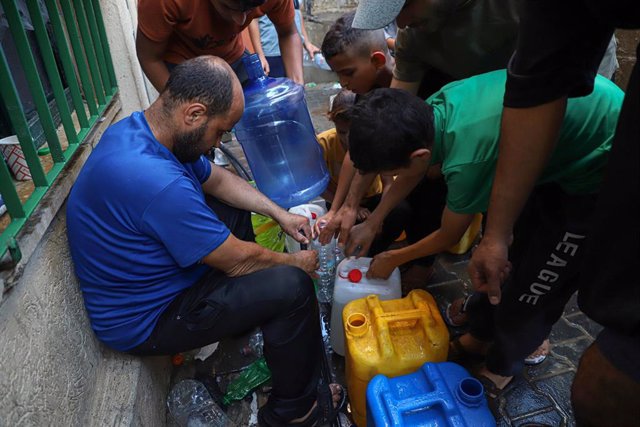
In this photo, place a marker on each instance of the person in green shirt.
(393, 132)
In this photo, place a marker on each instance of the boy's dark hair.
(201, 80)
(341, 106)
(387, 125)
(245, 5)
(342, 36)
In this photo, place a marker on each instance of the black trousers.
(280, 300)
(546, 254)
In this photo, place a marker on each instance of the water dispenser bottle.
(278, 139)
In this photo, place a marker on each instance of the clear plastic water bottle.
(326, 272)
(254, 345)
(339, 255)
(191, 405)
(321, 62)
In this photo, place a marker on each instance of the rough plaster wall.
(320, 6)
(121, 20)
(49, 355)
(53, 371)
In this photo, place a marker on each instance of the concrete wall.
(53, 371)
(121, 21)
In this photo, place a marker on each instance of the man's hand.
(311, 48)
(296, 226)
(489, 268)
(307, 261)
(265, 64)
(382, 265)
(360, 239)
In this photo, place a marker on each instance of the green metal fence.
(81, 66)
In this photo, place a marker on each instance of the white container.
(312, 212)
(351, 284)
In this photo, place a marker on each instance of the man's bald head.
(205, 79)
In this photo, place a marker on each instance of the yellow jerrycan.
(392, 338)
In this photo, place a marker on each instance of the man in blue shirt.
(162, 243)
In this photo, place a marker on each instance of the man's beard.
(189, 146)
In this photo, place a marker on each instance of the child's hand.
(325, 219)
(382, 265)
(363, 213)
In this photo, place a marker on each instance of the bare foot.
(335, 395)
(499, 381)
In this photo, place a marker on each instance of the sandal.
(455, 315)
(324, 412)
(539, 355)
(492, 392)
(458, 353)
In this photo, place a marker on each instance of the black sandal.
(493, 393)
(323, 412)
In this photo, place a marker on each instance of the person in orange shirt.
(172, 31)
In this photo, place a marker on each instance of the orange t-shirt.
(194, 27)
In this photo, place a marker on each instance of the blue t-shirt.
(138, 225)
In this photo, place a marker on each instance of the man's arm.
(150, 55)
(254, 35)
(234, 191)
(236, 257)
(452, 228)
(527, 138)
(310, 47)
(291, 50)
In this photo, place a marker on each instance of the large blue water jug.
(278, 139)
(438, 394)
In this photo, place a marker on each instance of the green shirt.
(467, 116)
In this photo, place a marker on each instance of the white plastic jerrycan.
(351, 284)
(312, 212)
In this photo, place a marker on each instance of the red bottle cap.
(355, 275)
(177, 359)
(313, 215)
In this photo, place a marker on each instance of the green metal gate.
(82, 81)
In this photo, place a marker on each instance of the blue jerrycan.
(437, 395)
(277, 137)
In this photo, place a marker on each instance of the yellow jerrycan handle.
(387, 321)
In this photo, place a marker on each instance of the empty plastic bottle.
(191, 405)
(321, 62)
(254, 345)
(339, 254)
(327, 270)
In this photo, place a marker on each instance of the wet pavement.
(541, 394)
